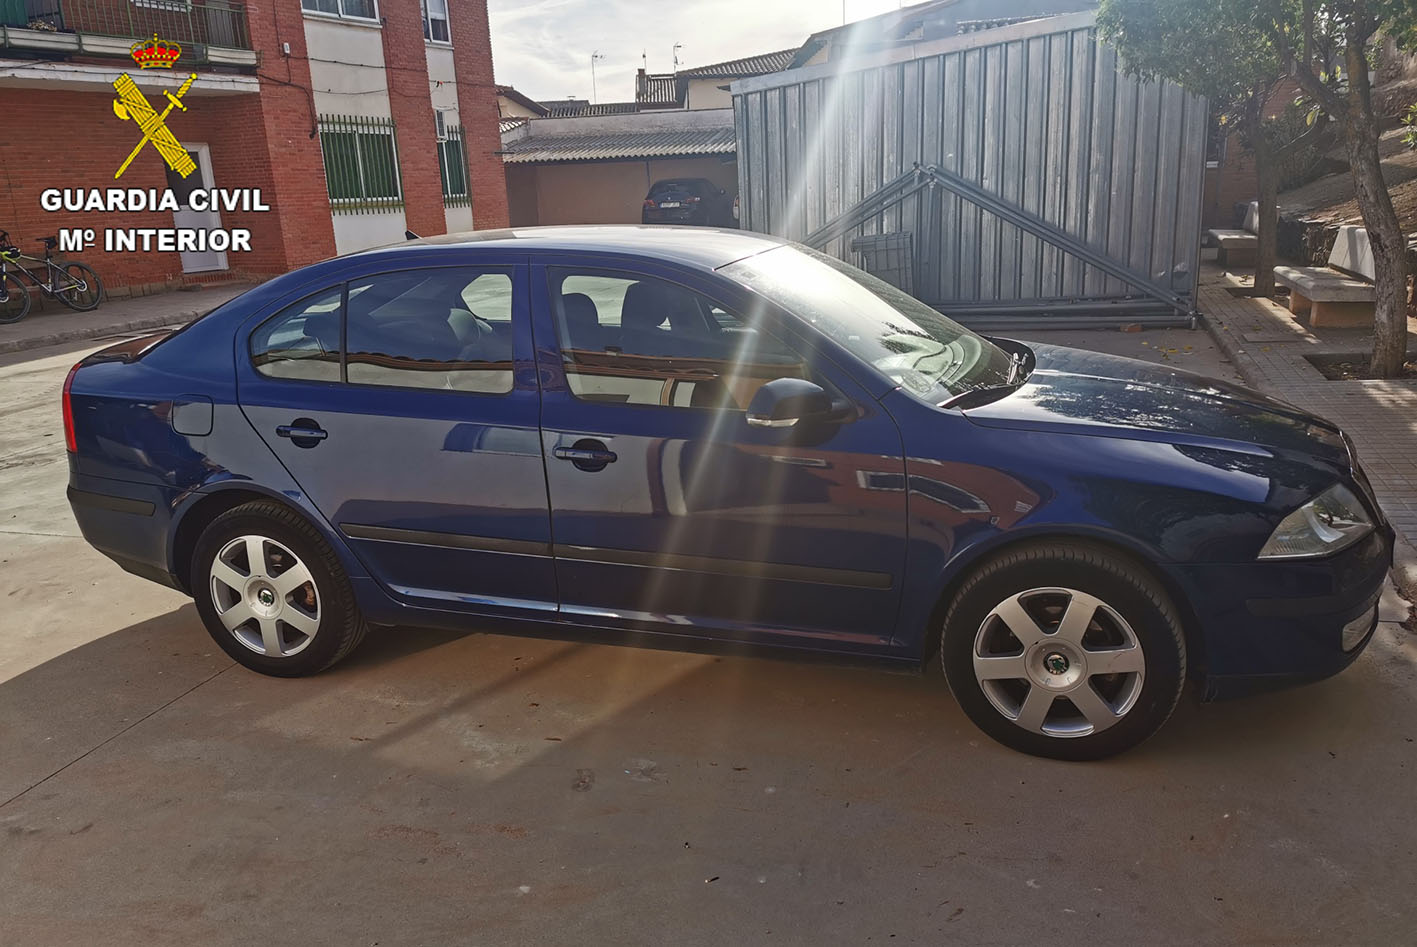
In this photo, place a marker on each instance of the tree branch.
(1301, 64)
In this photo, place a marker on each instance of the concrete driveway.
(440, 789)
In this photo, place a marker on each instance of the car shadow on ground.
(536, 790)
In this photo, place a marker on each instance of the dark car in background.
(703, 436)
(690, 202)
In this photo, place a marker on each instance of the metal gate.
(1049, 156)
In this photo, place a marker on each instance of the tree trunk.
(1268, 182)
(1384, 230)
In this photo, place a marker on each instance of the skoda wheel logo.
(1056, 663)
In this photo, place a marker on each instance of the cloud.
(543, 47)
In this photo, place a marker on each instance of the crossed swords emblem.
(132, 104)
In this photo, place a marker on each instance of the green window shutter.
(341, 171)
(361, 163)
(453, 159)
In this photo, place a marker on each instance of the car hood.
(1096, 394)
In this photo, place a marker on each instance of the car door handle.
(310, 433)
(587, 454)
(592, 456)
(302, 432)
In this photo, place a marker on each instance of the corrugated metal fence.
(1038, 114)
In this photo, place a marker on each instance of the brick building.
(1230, 167)
(357, 119)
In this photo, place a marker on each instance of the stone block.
(1352, 252)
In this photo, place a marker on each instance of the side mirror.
(783, 402)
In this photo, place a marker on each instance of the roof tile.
(608, 147)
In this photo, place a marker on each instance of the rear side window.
(437, 328)
(302, 341)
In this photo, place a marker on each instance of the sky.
(543, 47)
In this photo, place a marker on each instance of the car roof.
(696, 246)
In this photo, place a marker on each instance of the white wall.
(509, 109)
(347, 67)
(457, 219)
(445, 97)
(348, 78)
(440, 69)
(706, 94)
(362, 231)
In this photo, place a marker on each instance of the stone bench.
(1340, 294)
(1329, 297)
(1237, 247)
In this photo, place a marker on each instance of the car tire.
(258, 614)
(1065, 650)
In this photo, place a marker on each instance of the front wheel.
(272, 593)
(79, 288)
(14, 299)
(1064, 650)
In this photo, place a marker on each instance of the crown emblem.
(155, 53)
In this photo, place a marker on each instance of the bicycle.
(74, 284)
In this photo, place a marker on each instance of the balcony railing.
(195, 24)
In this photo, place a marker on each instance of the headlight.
(1331, 521)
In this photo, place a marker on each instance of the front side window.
(629, 339)
(435, 21)
(930, 356)
(301, 341)
(439, 328)
(352, 9)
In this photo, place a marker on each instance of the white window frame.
(341, 15)
(428, 26)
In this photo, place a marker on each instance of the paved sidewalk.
(1267, 345)
(55, 323)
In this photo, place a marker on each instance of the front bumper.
(1264, 625)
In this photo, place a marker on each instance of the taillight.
(70, 444)
(649, 203)
(692, 200)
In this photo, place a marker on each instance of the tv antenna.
(595, 57)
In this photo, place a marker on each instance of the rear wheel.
(83, 290)
(272, 593)
(1064, 650)
(14, 299)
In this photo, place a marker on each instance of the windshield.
(930, 356)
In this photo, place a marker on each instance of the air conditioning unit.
(440, 122)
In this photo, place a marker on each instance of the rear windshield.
(682, 187)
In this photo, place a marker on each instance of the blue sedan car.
(663, 434)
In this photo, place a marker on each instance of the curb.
(1404, 570)
(1248, 368)
(79, 334)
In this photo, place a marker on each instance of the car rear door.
(404, 403)
(669, 511)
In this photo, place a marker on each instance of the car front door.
(669, 511)
(417, 435)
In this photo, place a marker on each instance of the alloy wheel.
(1059, 662)
(265, 596)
